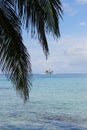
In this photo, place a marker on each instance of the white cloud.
(67, 55)
(69, 9)
(82, 23)
(76, 53)
(82, 1)
(76, 45)
(79, 51)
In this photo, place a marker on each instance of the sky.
(68, 54)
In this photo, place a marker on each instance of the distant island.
(49, 72)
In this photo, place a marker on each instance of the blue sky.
(69, 53)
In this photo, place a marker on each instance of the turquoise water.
(57, 102)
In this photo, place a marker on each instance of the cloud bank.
(81, 1)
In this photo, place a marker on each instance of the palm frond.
(42, 17)
(53, 11)
(14, 58)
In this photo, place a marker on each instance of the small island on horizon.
(49, 72)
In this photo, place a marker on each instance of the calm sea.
(57, 102)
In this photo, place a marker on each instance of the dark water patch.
(70, 126)
(41, 125)
(36, 102)
(22, 127)
(9, 127)
(65, 118)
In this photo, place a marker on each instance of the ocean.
(57, 102)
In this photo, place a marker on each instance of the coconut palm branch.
(42, 16)
(14, 58)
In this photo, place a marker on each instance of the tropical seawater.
(57, 102)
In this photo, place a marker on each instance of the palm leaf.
(41, 16)
(14, 58)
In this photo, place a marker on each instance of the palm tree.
(41, 16)
(49, 72)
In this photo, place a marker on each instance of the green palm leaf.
(41, 16)
(14, 57)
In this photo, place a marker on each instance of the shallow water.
(57, 102)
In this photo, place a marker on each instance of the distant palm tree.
(41, 16)
(49, 72)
